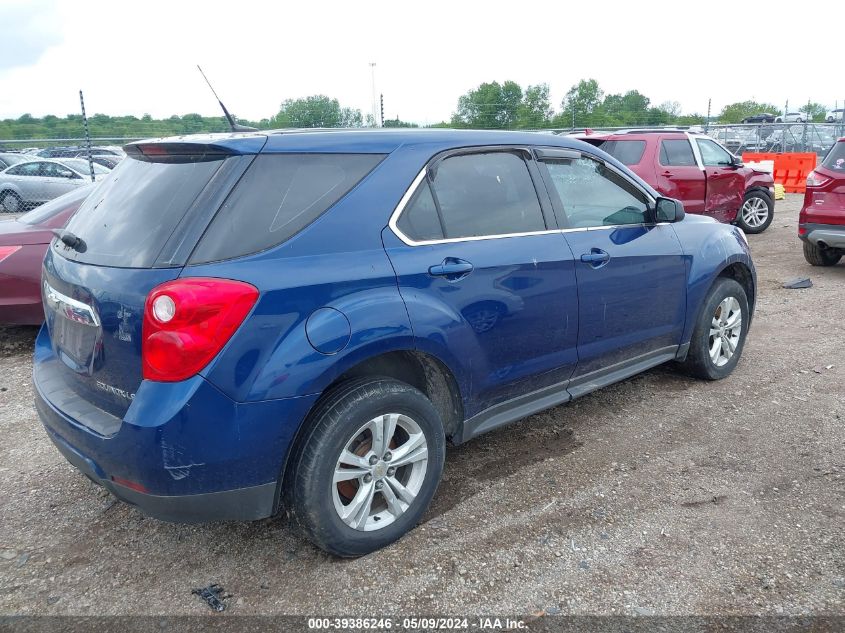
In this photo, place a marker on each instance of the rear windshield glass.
(626, 152)
(835, 158)
(279, 196)
(128, 219)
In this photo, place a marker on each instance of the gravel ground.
(659, 495)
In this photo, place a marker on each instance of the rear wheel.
(756, 213)
(368, 468)
(10, 202)
(821, 256)
(719, 336)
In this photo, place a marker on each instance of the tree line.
(490, 105)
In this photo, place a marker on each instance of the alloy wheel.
(725, 330)
(10, 203)
(754, 212)
(380, 472)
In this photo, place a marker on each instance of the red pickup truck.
(696, 170)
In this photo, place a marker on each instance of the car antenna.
(236, 127)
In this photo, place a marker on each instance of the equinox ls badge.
(115, 391)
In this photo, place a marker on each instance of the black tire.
(698, 362)
(18, 202)
(770, 205)
(816, 256)
(309, 484)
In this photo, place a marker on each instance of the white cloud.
(135, 58)
(29, 29)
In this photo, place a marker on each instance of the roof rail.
(649, 130)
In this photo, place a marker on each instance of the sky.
(132, 57)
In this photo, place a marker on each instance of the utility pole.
(707, 120)
(87, 135)
(373, 79)
(381, 109)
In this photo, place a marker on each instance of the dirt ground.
(659, 495)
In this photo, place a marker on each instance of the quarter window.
(712, 154)
(279, 196)
(627, 152)
(420, 221)
(595, 195)
(676, 153)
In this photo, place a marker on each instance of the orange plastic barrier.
(791, 169)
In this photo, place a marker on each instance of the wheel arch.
(419, 369)
(741, 273)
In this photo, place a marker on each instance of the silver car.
(28, 184)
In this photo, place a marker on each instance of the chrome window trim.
(397, 212)
(420, 177)
(56, 300)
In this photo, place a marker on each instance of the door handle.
(452, 268)
(596, 257)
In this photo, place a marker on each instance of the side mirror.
(736, 161)
(669, 210)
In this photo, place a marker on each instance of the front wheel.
(756, 213)
(368, 468)
(816, 256)
(720, 331)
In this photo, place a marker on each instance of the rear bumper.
(243, 504)
(183, 451)
(831, 235)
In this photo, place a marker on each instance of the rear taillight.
(5, 251)
(816, 180)
(188, 321)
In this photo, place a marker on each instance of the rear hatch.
(828, 200)
(137, 230)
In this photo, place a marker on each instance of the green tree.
(491, 105)
(316, 111)
(815, 111)
(582, 99)
(736, 112)
(397, 123)
(535, 110)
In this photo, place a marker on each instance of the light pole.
(373, 80)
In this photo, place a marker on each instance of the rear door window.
(627, 152)
(279, 196)
(676, 153)
(25, 169)
(486, 194)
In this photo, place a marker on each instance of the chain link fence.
(35, 171)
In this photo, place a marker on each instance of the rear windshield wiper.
(70, 240)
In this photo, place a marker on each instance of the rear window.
(279, 196)
(626, 152)
(835, 158)
(128, 219)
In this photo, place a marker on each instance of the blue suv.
(237, 324)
